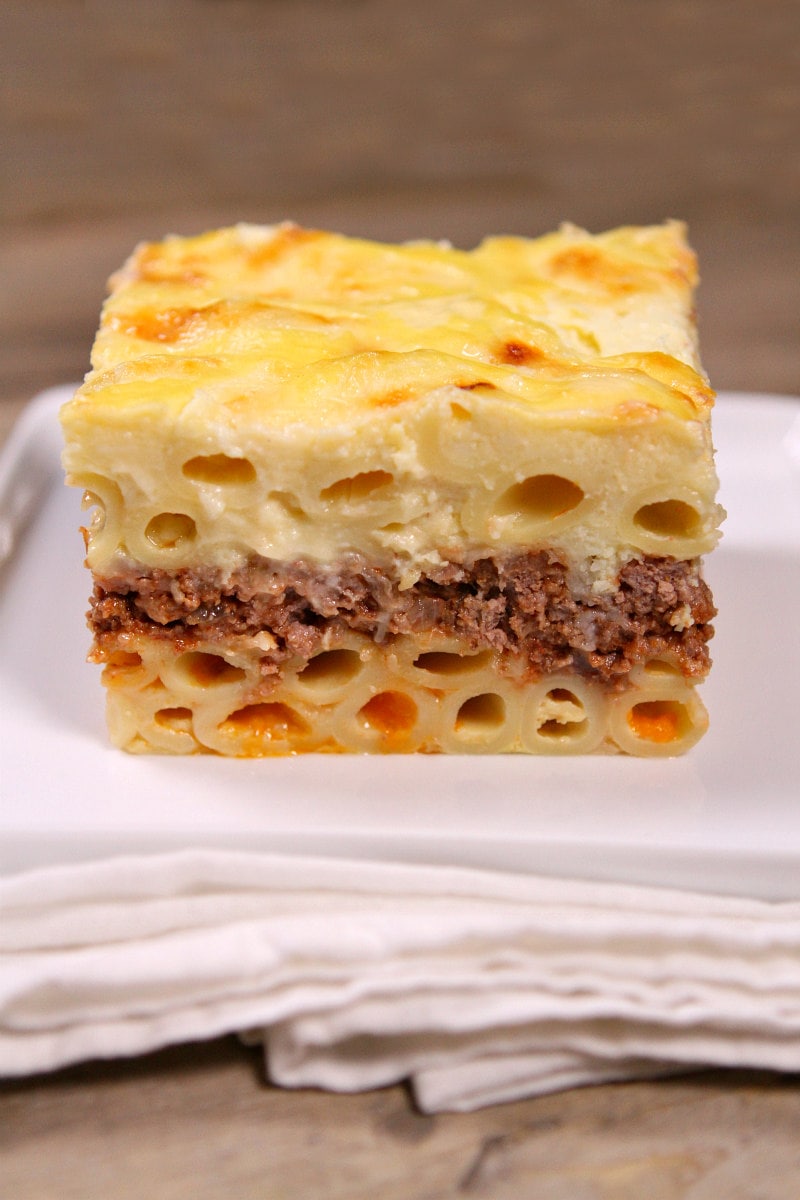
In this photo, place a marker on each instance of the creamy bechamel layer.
(293, 393)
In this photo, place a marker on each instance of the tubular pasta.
(563, 714)
(482, 717)
(331, 673)
(659, 720)
(673, 520)
(104, 533)
(163, 705)
(390, 718)
(438, 662)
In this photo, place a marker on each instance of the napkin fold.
(477, 986)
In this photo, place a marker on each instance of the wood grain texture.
(595, 111)
(197, 1122)
(447, 119)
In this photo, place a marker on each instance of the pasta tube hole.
(124, 659)
(208, 670)
(220, 469)
(668, 518)
(91, 500)
(356, 487)
(659, 721)
(480, 715)
(561, 729)
(659, 667)
(444, 662)
(561, 714)
(540, 498)
(275, 721)
(389, 713)
(120, 667)
(169, 530)
(179, 719)
(290, 504)
(331, 668)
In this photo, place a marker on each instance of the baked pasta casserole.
(346, 496)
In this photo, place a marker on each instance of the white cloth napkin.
(478, 986)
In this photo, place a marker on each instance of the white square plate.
(726, 818)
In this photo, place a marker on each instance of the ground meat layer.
(521, 605)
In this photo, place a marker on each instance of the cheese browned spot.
(519, 354)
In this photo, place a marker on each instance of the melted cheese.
(315, 360)
(269, 307)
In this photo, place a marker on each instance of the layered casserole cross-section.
(346, 496)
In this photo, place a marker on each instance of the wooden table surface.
(123, 122)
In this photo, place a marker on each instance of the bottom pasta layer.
(488, 655)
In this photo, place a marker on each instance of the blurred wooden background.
(451, 118)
